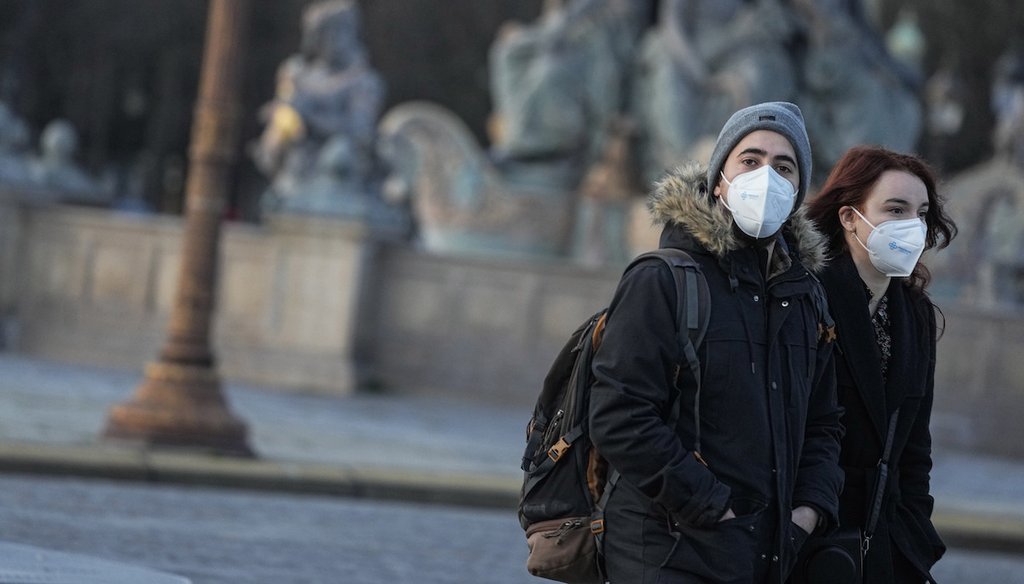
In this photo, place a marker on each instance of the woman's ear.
(847, 218)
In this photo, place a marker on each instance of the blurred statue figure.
(326, 93)
(855, 91)
(557, 85)
(14, 149)
(905, 41)
(55, 169)
(702, 61)
(944, 103)
(1008, 106)
(987, 268)
(461, 201)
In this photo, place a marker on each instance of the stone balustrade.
(308, 304)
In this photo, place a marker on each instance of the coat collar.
(848, 302)
(681, 198)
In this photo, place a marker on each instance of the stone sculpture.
(15, 149)
(320, 127)
(986, 266)
(557, 84)
(1008, 106)
(704, 60)
(565, 85)
(855, 92)
(460, 200)
(55, 169)
(50, 174)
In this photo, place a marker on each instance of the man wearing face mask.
(729, 492)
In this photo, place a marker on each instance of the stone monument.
(15, 150)
(566, 85)
(986, 266)
(50, 174)
(855, 91)
(459, 198)
(1008, 106)
(317, 147)
(704, 60)
(557, 86)
(55, 170)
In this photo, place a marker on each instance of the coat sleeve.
(634, 371)
(820, 478)
(916, 459)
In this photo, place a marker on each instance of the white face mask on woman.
(894, 246)
(760, 201)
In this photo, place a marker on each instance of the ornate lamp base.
(179, 406)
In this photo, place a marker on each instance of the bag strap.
(883, 478)
(692, 316)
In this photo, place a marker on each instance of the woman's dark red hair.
(849, 184)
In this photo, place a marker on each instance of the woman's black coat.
(905, 525)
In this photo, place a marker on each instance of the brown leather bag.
(564, 550)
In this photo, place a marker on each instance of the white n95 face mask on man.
(894, 246)
(760, 201)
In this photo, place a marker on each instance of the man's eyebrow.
(764, 154)
(753, 150)
(785, 158)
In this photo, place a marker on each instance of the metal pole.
(180, 401)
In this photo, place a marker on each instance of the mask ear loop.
(857, 237)
(724, 199)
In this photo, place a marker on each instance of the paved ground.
(223, 536)
(382, 447)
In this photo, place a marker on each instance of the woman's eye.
(783, 169)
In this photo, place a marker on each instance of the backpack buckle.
(558, 449)
(597, 526)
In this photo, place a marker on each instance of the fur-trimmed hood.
(681, 197)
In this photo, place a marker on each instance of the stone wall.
(96, 287)
(10, 242)
(979, 380)
(474, 328)
(302, 304)
(317, 305)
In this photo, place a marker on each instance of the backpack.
(566, 481)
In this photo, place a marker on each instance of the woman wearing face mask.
(880, 210)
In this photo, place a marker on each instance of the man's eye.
(783, 169)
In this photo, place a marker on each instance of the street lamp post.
(180, 401)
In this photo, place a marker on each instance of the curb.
(963, 524)
(140, 465)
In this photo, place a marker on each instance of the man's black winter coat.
(769, 419)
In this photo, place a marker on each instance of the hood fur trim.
(681, 197)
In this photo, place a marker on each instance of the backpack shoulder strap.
(693, 311)
(692, 295)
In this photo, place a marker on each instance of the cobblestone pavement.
(232, 537)
(246, 537)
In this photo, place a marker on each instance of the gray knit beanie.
(777, 116)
